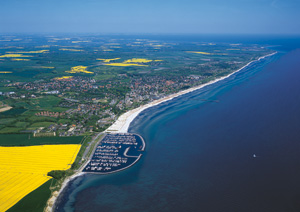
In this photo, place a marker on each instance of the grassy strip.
(29, 140)
(93, 146)
(78, 161)
(34, 201)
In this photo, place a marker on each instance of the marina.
(238, 154)
(116, 152)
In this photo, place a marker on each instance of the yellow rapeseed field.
(137, 60)
(108, 60)
(14, 55)
(123, 64)
(205, 53)
(64, 77)
(30, 52)
(19, 59)
(23, 169)
(79, 69)
(71, 50)
(132, 62)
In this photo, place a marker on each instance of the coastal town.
(90, 105)
(92, 101)
(87, 91)
(149, 106)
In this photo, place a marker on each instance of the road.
(85, 156)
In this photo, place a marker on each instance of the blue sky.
(151, 16)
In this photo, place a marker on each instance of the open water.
(240, 153)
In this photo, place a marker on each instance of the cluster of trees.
(57, 174)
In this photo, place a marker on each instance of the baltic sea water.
(241, 153)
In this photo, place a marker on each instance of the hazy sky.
(151, 16)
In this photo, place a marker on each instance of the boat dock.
(116, 152)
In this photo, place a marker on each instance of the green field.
(166, 67)
(34, 201)
(23, 115)
(42, 124)
(37, 72)
(29, 140)
(12, 112)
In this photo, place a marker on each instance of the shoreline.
(52, 200)
(121, 125)
(55, 195)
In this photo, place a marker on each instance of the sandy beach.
(122, 124)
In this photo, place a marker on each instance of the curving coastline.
(121, 125)
(53, 199)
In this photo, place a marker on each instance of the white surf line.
(122, 124)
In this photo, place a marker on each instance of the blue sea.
(240, 153)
